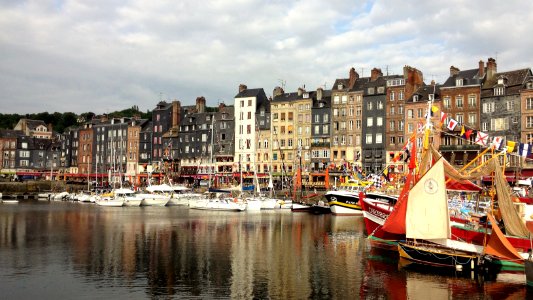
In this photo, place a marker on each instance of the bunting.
(442, 117)
(510, 146)
(524, 149)
(468, 133)
(452, 124)
(497, 142)
(463, 130)
(482, 138)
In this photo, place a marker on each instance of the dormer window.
(529, 85)
(431, 97)
(415, 98)
(306, 95)
(500, 81)
(499, 91)
(459, 82)
(321, 104)
(381, 90)
(371, 91)
(340, 86)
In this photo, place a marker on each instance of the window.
(336, 99)
(484, 126)
(317, 118)
(371, 91)
(415, 98)
(325, 128)
(499, 91)
(472, 101)
(410, 114)
(472, 119)
(379, 122)
(275, 116)
(459, 82)
(459, 118)
(400, 95)
(400, 110)
(369, 122)
(368, 139)
(379, 138)
(391, 110)
(392, 96)
(500, 124)
(291, 115)
(529, 122)
(420, 113)
(249, 102)
(326, 118)
(249, 115)
(459, 101)
(350, 125)
(335, 112)
(317, 129)
(488, 107)
(344, 99)
(369, 106)
(446, 102)
(282, 116)
(357, 124)
(529, 103)
(392, 125)
(380, 105)
(381, 89)
(410, 128)
(510, 105)
(392, 140)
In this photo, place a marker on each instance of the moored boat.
(345, 199)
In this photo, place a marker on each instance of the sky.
(105, 55)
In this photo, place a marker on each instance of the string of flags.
(483, 139)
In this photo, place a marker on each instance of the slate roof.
(259, 93)
(423, 93)
(471, 77)
(515, 81)
(9, 133)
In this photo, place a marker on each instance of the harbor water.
(70, 250)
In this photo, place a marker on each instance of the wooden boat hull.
(438, 256)
(298, 207)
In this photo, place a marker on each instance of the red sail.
(395, 223)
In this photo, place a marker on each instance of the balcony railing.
(459, 147)
(322, 144)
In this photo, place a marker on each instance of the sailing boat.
(427, 219)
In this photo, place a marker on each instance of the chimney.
(491, 68)
(300, 91)
(49, 127)
(176, 113)
(221, 106)
(242, 87)
(481, 72)
(200, 104)
(278, 91)
(432, 82)
(375, 73)
(454, 71)
(353, 78)
(319, 93)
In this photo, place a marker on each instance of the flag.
(407, 155)
(386, 174)
(468, 133)
(482, 138)
(420, 127)
(442, 117)
(451, 124)
(462, 130)
(434, 109)
(510, 146)
(497, 142)
(524, 149)
(396, 157)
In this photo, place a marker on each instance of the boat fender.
(235, 200)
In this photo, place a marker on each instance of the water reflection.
(66, 249)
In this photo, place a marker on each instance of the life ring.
(235, 200)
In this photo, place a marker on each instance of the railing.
(459, 147)
(322, 144)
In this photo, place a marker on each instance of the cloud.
(101, 56)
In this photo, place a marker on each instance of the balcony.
(459, 147)
(323, 144)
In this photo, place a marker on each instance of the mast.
(211, 166)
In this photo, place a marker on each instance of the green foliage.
(61, 121)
